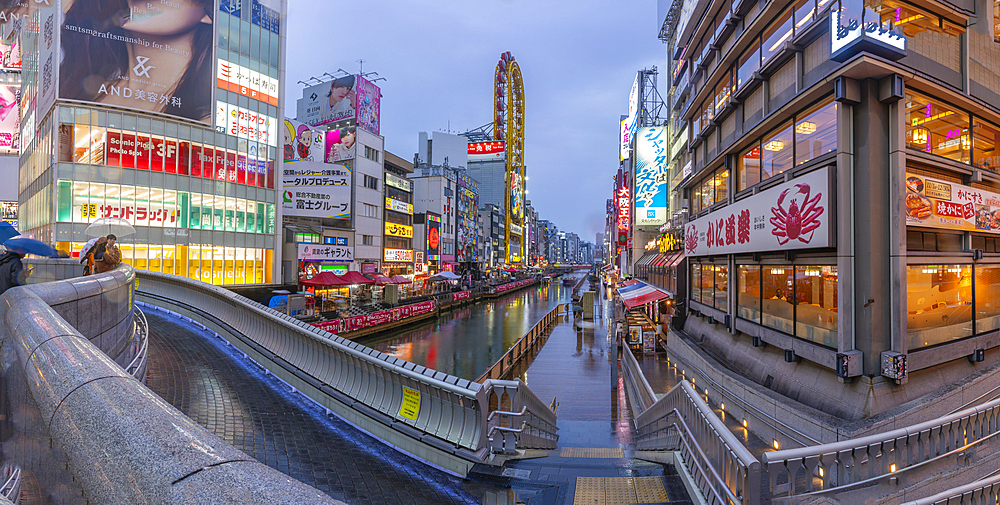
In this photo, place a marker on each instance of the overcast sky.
(578, 60)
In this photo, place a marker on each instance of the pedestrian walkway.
(593, 463)
(218, 388)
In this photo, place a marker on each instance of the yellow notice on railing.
(411, 404)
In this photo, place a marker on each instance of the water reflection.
(466, 341)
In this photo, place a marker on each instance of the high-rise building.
(177, 134)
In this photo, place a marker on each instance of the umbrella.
(445, 276)
(355, 277)
(108, 225)
(7, 231)
(30, 246)
(86, 247)
(399, 279)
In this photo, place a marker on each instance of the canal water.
(466, 341)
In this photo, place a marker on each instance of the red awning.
(640, 293)
(354, 277)
(325, 279)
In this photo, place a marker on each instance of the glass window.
(749, 63)
(805, 12)
(707, 193)
(816, 304)
(724, 90)
(721, 287)
(987, 298)
(708, 284)
(937, 128)
(938, 304)
(749, 168)
(816, 133)
(721, 185)
(985, 138)
(777, 310)
(776, 35)
(696, 199)
(748, 292)
(996, 20)
(776, 153)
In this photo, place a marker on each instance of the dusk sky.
(578, 60)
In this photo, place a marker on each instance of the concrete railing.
(76, 409)
(723, 469)
(524, 344)
(982, 492)
(435, 416)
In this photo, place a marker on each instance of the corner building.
(843, 196)
(178, 135)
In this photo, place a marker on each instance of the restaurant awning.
(646, 260)
(640, 293)
(676, 260)
(325, 279)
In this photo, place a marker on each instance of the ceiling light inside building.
(774, 145)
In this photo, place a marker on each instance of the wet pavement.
(219, 389)
(593, 460)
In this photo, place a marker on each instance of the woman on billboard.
(140, 55)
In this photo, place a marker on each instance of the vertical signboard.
(651, 176)
(433, 237)
(369, 98)
(468, 229)
(124, 61)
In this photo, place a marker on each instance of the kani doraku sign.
(855, 28)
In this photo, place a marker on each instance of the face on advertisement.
(340, 93)
(154, 56)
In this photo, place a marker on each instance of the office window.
(371, 182)
(371, 154)
(776, 35)
(749, 63)
(776, 154)
(816, 132)
(369, 210)
(749, 167)
(367, 240)
(308, 238)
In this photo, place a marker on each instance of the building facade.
(838, 172)
(186, 152)
(400, 238)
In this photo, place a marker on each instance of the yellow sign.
(411, 404)
(398, 230)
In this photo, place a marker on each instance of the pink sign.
(512, 285)
(376, 318)
(461, 295)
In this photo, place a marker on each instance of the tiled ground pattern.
(219, 389)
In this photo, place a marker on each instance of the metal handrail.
(516, 351)
(646, 395)
(897, 449)
(982, 491)
(704, 465)
(760, 415)
(137, 367)
(11, 488)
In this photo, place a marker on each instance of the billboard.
(10, 119)
(651, 176)
(311, 189)
(487, 151)
(795, 215)
(398, 206)
(124, 61)
(398, 230)
(433, 237)
(10, 42)
(516, 204)
(935, 203)
(246, 124)
(302, 143)
(369, 102)
(397, 255)
(329, 102)
(468, 228)
(242, 80)
(340, 144)
(623, 150)
(319, 252)
(632, 120)
(399, 183)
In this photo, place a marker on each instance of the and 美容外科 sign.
(935, 203)
(795, 215)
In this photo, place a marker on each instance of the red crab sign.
(793, 215)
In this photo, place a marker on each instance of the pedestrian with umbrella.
(112, 256)
(91, 253)
(12, 271)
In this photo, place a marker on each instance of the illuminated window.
(748, 292)
(721, 288)
(985, 139)
(937, 128)
(777, 309)
(912, 20)
(816, 304)
(749, 167)
(816, 132)
(776, 35)
(776, 152)
(721, 185)
(938, 304)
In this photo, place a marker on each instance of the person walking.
(93, 255)
(112, 256)
(12, 271)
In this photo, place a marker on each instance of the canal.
(468, 340)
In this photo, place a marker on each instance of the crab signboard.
(935, 203)
(798, 214)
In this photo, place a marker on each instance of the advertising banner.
(398, 206)
(8, 210)
(10, 119)
(245, 124)
(512, 285)
(340, 144)
(433, 237)
(795, 215)
(468, 227)
(137, 214)
(124, 61)
(516, 203)
(311, 189)
(302, 143)
(242, 80)
(328, 102)
(399, 182)
(10, 41)
(632, 120)
(368, 104)
(651, 176)
(624, 138)
(377, 318)
(461, 295)
(398, 230)
(265, 14)
(397, 255)
(314, 252)
(934, 203)
(487, 151)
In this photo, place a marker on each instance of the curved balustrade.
(982, 492)
(724, 469)
(85, 425)
(140, 347)
(436, 416)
